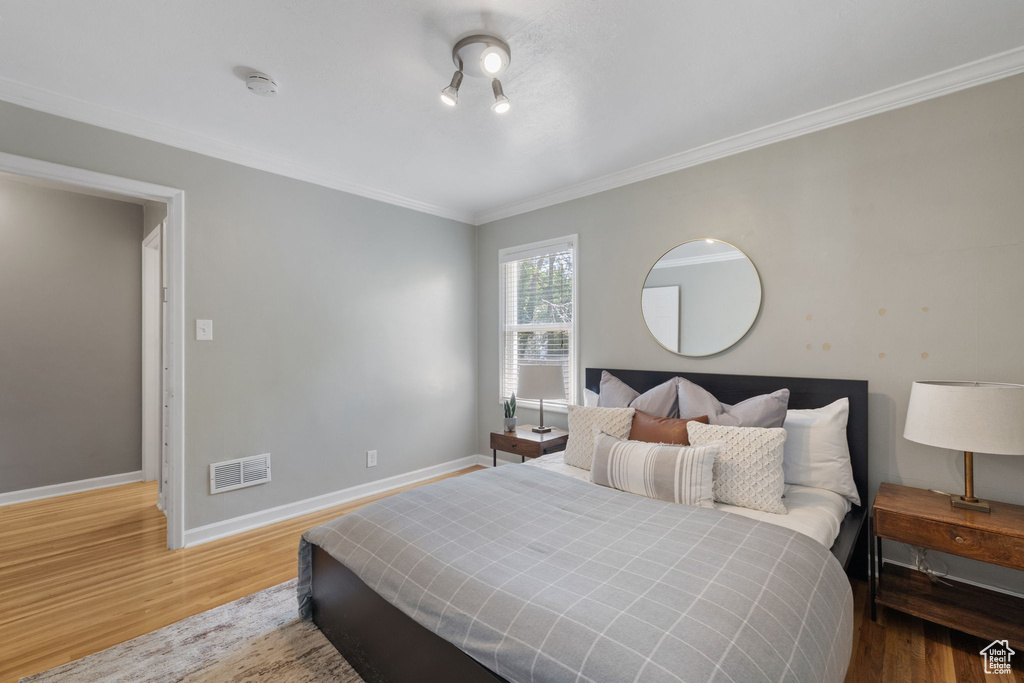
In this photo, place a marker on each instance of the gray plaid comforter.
(541, 577)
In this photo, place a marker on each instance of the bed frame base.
(379, 640)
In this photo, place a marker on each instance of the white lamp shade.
(541, 381)
(979, 417)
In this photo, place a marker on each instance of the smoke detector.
(261, 84)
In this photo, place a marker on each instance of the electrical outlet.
(371, 458)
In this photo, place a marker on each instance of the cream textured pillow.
(676, 474)
(579, 451)
(748, 473)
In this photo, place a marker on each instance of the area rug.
(257, 638)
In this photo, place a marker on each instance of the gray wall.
(70, 336)
(914, 209)
(341, 324)
(153, 213)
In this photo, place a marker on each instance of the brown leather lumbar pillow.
(661, 429)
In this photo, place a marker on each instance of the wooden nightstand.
(926, 519)
(528, 443)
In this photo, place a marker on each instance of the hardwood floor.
(899, 647)
(80, 573)
(83, 572)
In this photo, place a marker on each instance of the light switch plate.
(204, 330)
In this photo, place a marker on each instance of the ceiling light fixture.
(480, 56)
(450, 95)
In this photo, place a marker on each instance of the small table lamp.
(541, 382)
(983, 417)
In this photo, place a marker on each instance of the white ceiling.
(603, 92)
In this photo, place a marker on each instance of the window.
(537, 291)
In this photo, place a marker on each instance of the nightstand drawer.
(510, 444)
(950, 538)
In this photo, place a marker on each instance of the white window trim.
(574, 365)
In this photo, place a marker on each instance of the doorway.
(172, 316)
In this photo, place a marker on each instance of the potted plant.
(510, 414)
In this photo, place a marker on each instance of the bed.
(482, 577)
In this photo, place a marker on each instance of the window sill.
(549, 406)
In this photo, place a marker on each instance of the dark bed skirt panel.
(379, 640)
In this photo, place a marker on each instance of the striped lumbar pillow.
(677, 474)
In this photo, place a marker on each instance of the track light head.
(501, 103)
(450, 95)
(482, 55)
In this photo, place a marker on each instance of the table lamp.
(984, 417)
(541, 382)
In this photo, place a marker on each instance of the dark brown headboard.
(804, 392)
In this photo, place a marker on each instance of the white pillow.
(590, 398)
(579, 451)
(817, 453)
(748, 472)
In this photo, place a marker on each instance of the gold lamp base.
(541, 429)
(968, 501)
(975, 504)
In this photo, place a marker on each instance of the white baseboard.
(503, 459)
(26, 495)
(254, 520)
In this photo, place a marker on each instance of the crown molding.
(697, 260)
(97, 115)
(943, 83)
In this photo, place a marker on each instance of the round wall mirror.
(701, 297)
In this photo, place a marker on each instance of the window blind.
(537, 310)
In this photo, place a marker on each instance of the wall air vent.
(236, 474)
